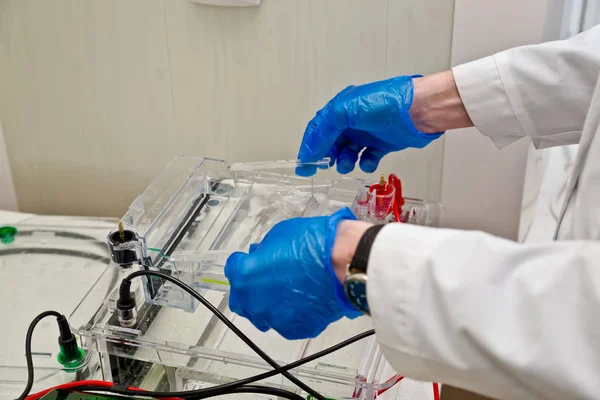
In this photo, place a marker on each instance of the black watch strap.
(361, 254)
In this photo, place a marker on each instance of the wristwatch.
(355, 284)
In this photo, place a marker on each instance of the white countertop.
(33, 283)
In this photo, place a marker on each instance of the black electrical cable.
(231, 388)
(295, 364)
(227, 388)
(228, 323)
(28, 354)
(280, 393)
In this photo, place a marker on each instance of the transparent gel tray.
(188, 221)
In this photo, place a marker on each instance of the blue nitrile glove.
(373, 117)
(287, 282)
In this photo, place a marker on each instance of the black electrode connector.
(70, 355)
(126, 310)
(123, 246)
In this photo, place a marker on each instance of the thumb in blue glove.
(287, 282)
(373, 119)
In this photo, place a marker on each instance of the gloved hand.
(373, 117)
(287, 282)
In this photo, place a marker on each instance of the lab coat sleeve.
(542, 91)
(508, 320)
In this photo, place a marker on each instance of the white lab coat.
(508, 320)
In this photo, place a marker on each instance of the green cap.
(72, 362)
(7, 234)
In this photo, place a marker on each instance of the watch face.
(356, 290)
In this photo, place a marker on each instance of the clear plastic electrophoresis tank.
(194, 214)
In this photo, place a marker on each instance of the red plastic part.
(397, 183)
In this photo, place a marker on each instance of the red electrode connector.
(388, 197)
(382, 188)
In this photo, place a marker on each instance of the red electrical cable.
(395, 379)
(70, 385)
(436, 391)
(398, 378)
(396, 213)
(76, 384)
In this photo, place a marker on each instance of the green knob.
(7, 234)
(71, 359)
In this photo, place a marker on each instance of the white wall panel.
(8, 198)
(88, 108)
(482, 186)
(98, 95)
